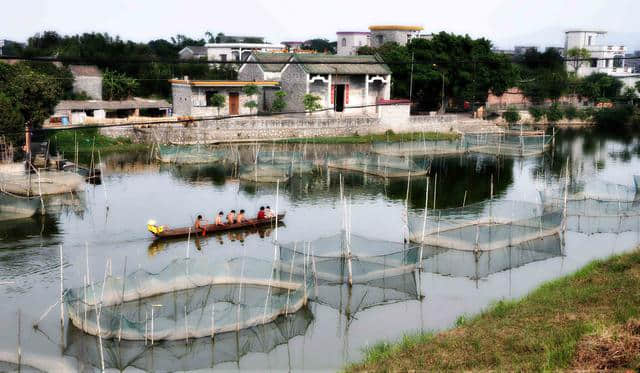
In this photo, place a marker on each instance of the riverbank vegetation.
(586, 321)
(388, 136)
(88, 141)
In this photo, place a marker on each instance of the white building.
(604, 58)
(381, 34)
(238, 51)
(349, 42)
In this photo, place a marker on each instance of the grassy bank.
(588, 320)
(90, 140)
(389, 136)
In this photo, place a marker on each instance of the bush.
(536, 112)
(570, 112)
(512, 115)
(615, 117)
(583, 114)
(311, 102)
(554, 114)
(279, 103)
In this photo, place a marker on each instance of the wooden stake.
(61, 290)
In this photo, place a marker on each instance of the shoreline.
(588, 320)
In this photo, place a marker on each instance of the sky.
(507, 23)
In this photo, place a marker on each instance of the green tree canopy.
(542, 75)
(576, 57)
(279, 104)
(320, 45)
(27, 96)
(598, 86)
(218, 101)
(311, 102)
(117, 86)
(512, 116)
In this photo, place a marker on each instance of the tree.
(27, 97)
(320, 45)
(576, 56)
(570, 112)
(117, 86)
(536, 113)
(554, 114)
(599, 86)
(250, 90)
(629, 95)
(638, 86)
(218, 101)
(512, 116)
(542, 75)
(311, 102)
(279, 103)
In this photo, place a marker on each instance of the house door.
(339, 98)
(234, 103)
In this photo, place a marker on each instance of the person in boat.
(268, 213)
(261, 213)
(240, 218)
(200, 224)
(220, 218)
(231, 217)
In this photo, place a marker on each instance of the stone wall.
(91, 85)
(294, 82)
(251, 72)
(181, 94)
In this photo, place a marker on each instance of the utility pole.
(411, 80)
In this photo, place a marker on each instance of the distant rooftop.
(395, 28)
(196, 49)
(585, 30)
(85, 70)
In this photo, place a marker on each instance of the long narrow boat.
(164, 232)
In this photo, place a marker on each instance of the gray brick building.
(87, 79)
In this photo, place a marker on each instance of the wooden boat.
(164, 232)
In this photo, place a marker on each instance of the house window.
(223, 57)
(379, 39)
(617, 60)
(594, 62)
(589, 40)
(344, 42)
(208, 95)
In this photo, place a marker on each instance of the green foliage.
(482, 72)
(251, 105)
(613, 118)
(320, 45)
(279, 104)
(218, 101)
(26, 96)
(629, 95)
(598, 86)
(554, 114)
(638, 86)
(311, 102)
(536, 112)
(584, 114)
(576, 57)
(542, 75)
(89, 140)
(570, 112)
(250, 90)
(512, 115)
(108, 51)
(117, 86)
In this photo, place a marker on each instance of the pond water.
(109, 222)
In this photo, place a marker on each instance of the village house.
(87, 111)
(193, 97)
(193, 52)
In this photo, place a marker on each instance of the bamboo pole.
(435, 189)
(124, 279)
(61, 290)
(19, 341)
(102, 180)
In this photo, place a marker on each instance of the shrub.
(512, 115)
(536, 112)
(279, 103)
(311, 102)
(554, 114)
(570, 112)
(614, 117)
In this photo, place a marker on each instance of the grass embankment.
(586, 321)
(89, 140)
(368, 139)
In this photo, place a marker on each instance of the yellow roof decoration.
(395, 28)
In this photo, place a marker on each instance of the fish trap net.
(419, 148)
(191, 154)
(484, 226)
(172, 304)
(508, 144)
(378, 165)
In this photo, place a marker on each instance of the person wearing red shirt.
(261, 214)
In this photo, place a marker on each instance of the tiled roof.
(136, 103)
(346, 65)
(85, 70)
(272, 62)
(196, 49)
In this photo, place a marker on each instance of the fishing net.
(420, 148)
(484, 226)
(265, 173)
(187, 299)
(17, 207)
(481, 264)
(378, 165)
(508, 144)
(597, 206)
(295, 160)
(198, 354)
(351, 273)
(41, 183)
(191, 154)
